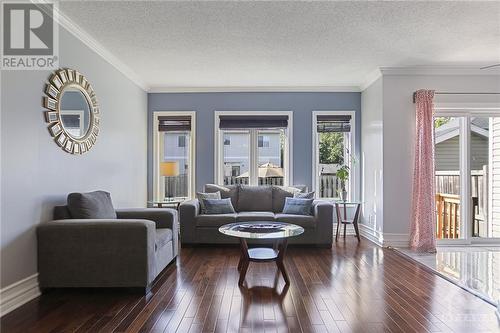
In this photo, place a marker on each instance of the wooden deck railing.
(448, 216)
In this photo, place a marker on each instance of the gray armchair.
(129, 251)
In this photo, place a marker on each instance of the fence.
(329, 185)
(448, 203)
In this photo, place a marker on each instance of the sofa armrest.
(323, 214)
(163, 217)
(95, 253)
(188, 211)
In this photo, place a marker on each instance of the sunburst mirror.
(72, 111)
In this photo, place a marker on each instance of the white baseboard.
(396, 240)
(371, 234)
(19, 293)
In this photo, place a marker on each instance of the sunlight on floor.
(476, 269)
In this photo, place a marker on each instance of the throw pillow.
(226, 191)
(92, 205)
(218, 206)
(201, 196)
(297, 206)
(279, 195)
(304, 195)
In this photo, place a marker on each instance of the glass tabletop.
(261, 230)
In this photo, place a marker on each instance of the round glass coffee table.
(278, 231)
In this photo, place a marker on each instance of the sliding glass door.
(467, 175)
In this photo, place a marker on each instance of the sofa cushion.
(254, 216)
(162, 237)
(298, 206)
(218, 206)
(92, 205)
(215, 220)
(280, 193)
(255, 198)
(212, 195)
(226, 191)
(305, 221)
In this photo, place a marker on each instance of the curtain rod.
(458, 93)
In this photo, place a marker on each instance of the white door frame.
(465, 111)
(157, 190)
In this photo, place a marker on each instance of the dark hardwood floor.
(350, 288)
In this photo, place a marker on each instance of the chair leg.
(345, 229)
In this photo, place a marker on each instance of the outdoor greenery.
(331, 148)
(440, 121)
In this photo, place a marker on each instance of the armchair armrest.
(188, 211)
(323, 214)
(96, 253)
(163, 217)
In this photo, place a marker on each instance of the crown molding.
(65, 22)
(254, 89)
(370, 79)
(439, 70)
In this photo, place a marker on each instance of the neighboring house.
(236, 152)
(177, 149)
(447, 149)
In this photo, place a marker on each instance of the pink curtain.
(423, 222)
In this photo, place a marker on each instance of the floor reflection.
(476, 269)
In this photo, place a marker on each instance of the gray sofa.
(129, 251)
(255, 203)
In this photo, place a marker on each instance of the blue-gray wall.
(36, 174)
(302, 105)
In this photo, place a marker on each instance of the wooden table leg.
(355, 222)
(244, 260)
(339, 218)
(280, 260)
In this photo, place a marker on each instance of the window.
(333, 157)
(173, 145)
(253, 148)
(181, 141)
(263, 141)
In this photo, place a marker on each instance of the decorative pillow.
(279, 195)
(305, 195)
(298, 206)
(201, 196)
(92, 205)
(218, 206)
(226, 191)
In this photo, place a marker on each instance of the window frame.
(253, 168)
(352, 190)
(157, 189)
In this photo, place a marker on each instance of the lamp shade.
(169, 169)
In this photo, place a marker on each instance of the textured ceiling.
(238, 44)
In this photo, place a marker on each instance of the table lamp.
(169, 169)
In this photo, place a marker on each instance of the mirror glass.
(74, 111)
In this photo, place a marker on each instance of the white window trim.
(76, 113)
(466, 110)
(219, 145)
(192, 152)
(353, 175)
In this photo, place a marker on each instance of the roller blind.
(333, 123)
(248, 121)
(174, 123)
